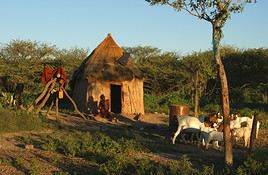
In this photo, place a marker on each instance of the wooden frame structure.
(41, 100)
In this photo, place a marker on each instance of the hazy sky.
(85, 23)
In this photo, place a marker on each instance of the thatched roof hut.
(108, 70)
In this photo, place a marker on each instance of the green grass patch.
(13, 121)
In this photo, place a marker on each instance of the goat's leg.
(207, 142)
(199, 137)
(235, 141)
(246, 140)
(176, 134)
(216, 144)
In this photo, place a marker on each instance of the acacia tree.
(196, 69)
(216, 12)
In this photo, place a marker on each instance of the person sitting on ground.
(104, 107)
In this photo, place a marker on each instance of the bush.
(114, 166)
(146, 166)
(70, 145)
(252, 167)
(182, 166)
(150, 103)
(212, 108)
(51, 144)
(246, 112)
(153, 103)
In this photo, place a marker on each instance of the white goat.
(209, 134)
(204, 133)
(245, 132)
(184, 123)
(214, 136)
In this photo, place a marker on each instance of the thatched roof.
(107, 62)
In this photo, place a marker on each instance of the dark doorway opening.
(116, 103)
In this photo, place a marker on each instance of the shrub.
(252, 167)
(146, 166)
(183, 166)
(86, 143)
(28, 98)
(246, 112)
(153, 103)
(61, 173)
(150, 103)
(51, 144)
(212, 108)
(114, 166)
(207, 170)
(70, 145)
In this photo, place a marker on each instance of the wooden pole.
(46, 98)
(57, 108)
(49, 109)
(41, 95)
(75, 107)
(253, 132)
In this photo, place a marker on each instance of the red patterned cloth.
(49, 73)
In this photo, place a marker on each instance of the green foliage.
(212, 108)
(5, 161)
(161, 103)
(61, 173)
(88, 144)
(19, 121)
(146, 166)
(182, 166)
(261, 155)
(246, 112)
(114, 166)
(151, 103)
(22, 61)
(159, 68)
(168, 76)
(26, 139)
(172, 98)
(207, 170)
(50, 144)
(252, 167)
(28, 98)
(70, 145)
(34, 167)
(265, 124)
(196, 69)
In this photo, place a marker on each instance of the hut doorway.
(116, 103)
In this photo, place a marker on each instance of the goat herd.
(210, 129)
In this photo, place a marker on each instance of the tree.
(159, 69)
(216, 12)
(22, 61)
(196, 69)
(18, 50)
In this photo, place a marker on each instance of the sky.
(85, 23)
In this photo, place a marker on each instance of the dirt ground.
(16, 159)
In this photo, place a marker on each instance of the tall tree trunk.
(196, 96)
(228, 149)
